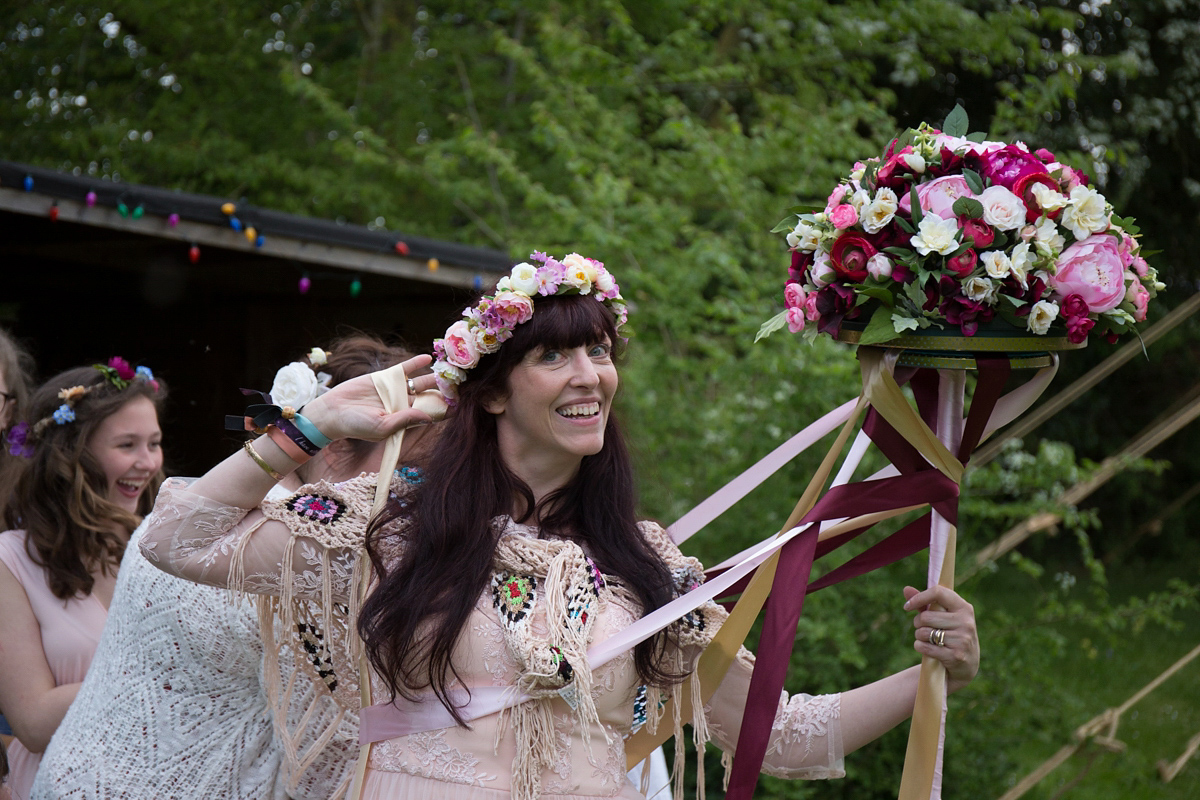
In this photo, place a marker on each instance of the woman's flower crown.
(947, 229)
(117, 372)
(490, 322)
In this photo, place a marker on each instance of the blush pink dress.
(70, 633)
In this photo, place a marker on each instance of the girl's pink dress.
(70, 633)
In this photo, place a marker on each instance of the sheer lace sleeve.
(317, 531)
(806, 737)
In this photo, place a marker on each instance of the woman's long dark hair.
(61, 498)
(414, 618)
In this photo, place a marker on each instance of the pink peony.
(460, 346)
(1092, 269)
(938, 195)
(1008, 165)
(843, 216)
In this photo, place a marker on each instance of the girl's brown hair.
(61, 498)
(16, 366)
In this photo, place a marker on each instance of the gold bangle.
(267, 468)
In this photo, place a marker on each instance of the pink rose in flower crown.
(1139, 295)
(795, 319)
(512, 308)
(1140, 267)
(938, 195)
(835, 197)
(849, 256)
(460, 346)
(1007, 165)
(1092, 269)
(843, 216)
(810, 307)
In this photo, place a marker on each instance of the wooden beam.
(1048, 409)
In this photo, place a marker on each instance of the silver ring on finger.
(938, 636)
(412, 387)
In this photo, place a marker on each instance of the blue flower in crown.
(145, 374)
(64, 414)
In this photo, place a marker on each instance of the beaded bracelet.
(267, 468)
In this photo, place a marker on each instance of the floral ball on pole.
(949, 231)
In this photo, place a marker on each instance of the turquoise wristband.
(310, 431)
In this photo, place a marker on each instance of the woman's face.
(128, 447)
(558, 405)
(7, 405)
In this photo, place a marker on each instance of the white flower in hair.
(318, 357)
(295, 385)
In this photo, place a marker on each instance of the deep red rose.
(1078, 328)
(1024, 190)
(980, 232)
(962, 264)
(801, 261)
(965, 313)
(849, 256)
(1007, 165)
(1074, 306)
(951, 164)
(124, 371)
(833, 303)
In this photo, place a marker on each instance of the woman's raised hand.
(945, 630)
(353, 410)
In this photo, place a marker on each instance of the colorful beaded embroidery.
(411, 475)
(513, 596)
(324, 510)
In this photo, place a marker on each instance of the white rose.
(860, 199)
(1002, 209)
(605, 282)
(1041, 315)
(1020, 262)
(804, 236)
(914, 161)
(504, 284)
(577, 263)
(524, 279)
(1047, 233)
(1049, 200)
(295, 385)
(879, 266)
(1086, 213)
(317, 357)
(981, 290)
(936, 235)
(879, 212)
(996, 264)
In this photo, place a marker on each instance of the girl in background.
(94, 450)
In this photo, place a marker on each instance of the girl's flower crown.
(490, 322)
(117, 371)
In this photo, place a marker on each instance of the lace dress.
(197, 538)
(174, 704)
(70, 632)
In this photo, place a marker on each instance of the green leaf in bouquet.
(917, 212)
(1016, 301)
(898, 252)
(785, 224)
(904, 224)
(874, 293)
(1126, 224)
(956, 123)
(770, 326)
(904, 140)
(968, 207)
(880, 329)
(1148, 253)
(962, 248)
(974, 181)
(978, 137)
(806, 208)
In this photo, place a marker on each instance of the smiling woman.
(94, 451)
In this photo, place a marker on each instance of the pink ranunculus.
(1092, 269)
(1078, 328)
(1007, 165)
(810, 307)
(1074, 306)
(1139, 295)
(513, 308)
(963, 263)
(979, 232)
(843, 216)
(460, 346)
(793, 295)
(938, 195)
(795, 319)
